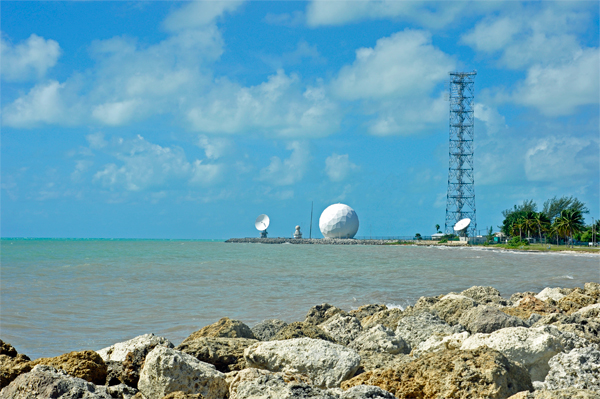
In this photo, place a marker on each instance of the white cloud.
(288, 171)
(339, 167)
(197, 14)
(294, 19)
(28, 59)
(405, 64)
(279, 106)
(493, 121)
(96, 140)
(559, 90)
(115, 113)
(214, 147)
(206, 174)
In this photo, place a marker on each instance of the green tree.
(569, 222)
(437, 228)
(512, 215)
(554, 206)
(542, 222)
(529, 222)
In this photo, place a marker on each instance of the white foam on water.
(394, 306)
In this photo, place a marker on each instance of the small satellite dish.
(462, 224)
(261, 224)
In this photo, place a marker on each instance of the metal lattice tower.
(460, 200)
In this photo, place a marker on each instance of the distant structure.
(338, 221)
(460, 199)
(297, 233)
(261, 224)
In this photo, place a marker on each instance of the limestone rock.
(320, 313)
(367, 310)
(370, 360)
(550, 293)
(437, 343)
(326, 363)
(379, 339)
(224, 328)
(481, 373)
(183, 395)
(133, 363)
(267, 329)
(167, 370)
(517, 296)
(528, 346)
(575, 301)
(450, 307)
(485, 295)
(528, 305)
(592, 290)
(568, 393)
(114, 370)
(487, 319)
(388, 318)
(87, 365)
(568, 340)
(47, 382)
(226, 354)
(121, 391)
(119, 351)
(7, 349)
(590, 311)
(12, 366)
(416, 329)
(300, 329)
(343, 328)
(367, 392)
(588, 329)
(579, 368)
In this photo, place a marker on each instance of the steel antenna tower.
(460, 200)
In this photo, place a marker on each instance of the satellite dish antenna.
(261, 224)
(462, 225)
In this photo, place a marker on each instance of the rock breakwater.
(473, 344)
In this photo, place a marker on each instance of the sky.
(187, 120)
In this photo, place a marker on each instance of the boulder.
(592, 290)
(450, 307)
(47, 382)
(13, 366)
(481, 373)
(87, 365)
(7, 349)
(579, 368)
(300, 329)
(320, 313)
(367, 392)
(528, 305)
(266, 329)
(327, 364)
(367, 310)
(183, 395)
(114, 370)
(514, 298)
(550, 293)
(485, 295)
(588, 329)
(575, 301)
(487, 319)
(568, 393)
(224, 328)
(121, 391)
(379, 339)
(343, 328)
(388, 318)
(370, 360)
(590, 311)
(167, 370)
(531, 347)
(418, 328)
(226, 354)
(119, 351)
(437, 343)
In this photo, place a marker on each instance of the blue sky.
(189, 119)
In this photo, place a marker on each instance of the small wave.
(394, 306)
(567, 277)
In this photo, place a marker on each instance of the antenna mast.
(460, 199)
(311, 212)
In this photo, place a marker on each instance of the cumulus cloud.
(29, 59)
(491, 118)
(288, 171)
(214, 147)
(339, 167)
(280, 105)
(197, 14)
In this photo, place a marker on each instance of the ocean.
(59, 296)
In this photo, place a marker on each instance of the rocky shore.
(472, 344)
(333, 241)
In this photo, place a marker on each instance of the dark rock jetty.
(321, 241)
(473, 344)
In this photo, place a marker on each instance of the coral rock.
(487, 319)
(300, 329)
(379, 339)
(267, 329)
(528, 305)
(418, 328)
(87, 365)
(575, 301)
(450, 307)
(320, 313)
(388, 318)
(579, 368)
(568, 393)
(119, 351)
(485, 295)
(367, 310)
(12, 367)
(343, 328)
(226, 354)
(224, 328)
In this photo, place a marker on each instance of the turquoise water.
(63, 295)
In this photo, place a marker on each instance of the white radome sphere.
(338, 221)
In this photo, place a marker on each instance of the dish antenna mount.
(261, 224)
(461, 226)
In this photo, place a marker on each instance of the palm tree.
(518, 225)
(529, 222)
(542, 222)
(569, 222)
(437, 228)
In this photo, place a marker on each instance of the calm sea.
(64, 295)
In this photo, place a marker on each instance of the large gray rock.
(370, 360)
(418, 328)
(226, 354)
(388, 318)
(550, 293)
(379, 339)
(590, 311)
(529, 346)
(267, 329)
(450, 307)
(366, 392)
(567, 393)
(301, 329)
(119, 351)
(587, 328)
(168, 370)
(487, 319)
(343, 328)
(367, 310)
(224, 328)
(437, 343)
(47, 382)
(485, 295)
(320, 313)
(579, 368)
(327, 364)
